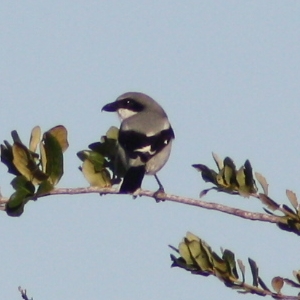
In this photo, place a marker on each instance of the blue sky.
(226, 72)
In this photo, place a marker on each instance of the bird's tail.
(132, 180)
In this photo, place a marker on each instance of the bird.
(144, 140)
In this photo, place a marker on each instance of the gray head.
(131, 103)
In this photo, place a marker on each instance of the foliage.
(197, 257)
(35, 173)
(100, 164)
(227, 178)
(241, 182)
(38, 168)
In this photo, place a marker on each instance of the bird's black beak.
(113, 106)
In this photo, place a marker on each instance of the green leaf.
(26, 164)
(93, 168)
(61, 135)
(99, 178)
(54, 156)
(229, 172)
(112, 133)
(21, 183)
(200, 256)
(15, 205)
(185, 253)
(97, 159)
(246, 182)
(192, 237)
(24, 190)
(221, 269)
(7, 158)
(35, 138)
(44, 188)
(108, 149)
(108, 144)
(229, 257)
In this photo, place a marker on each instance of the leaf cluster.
(101, 165)
(290, 221)
(197, 257)
(227, 178)
(241, 182)
(36, 172)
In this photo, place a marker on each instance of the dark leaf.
(15, 137)
(21, 183)
(248, 173)
(208, 175)
(263, 285)
(173, 248)
(54, 156)
(291, 283)
(254, 271)
(7, 158)
(289, 212)
(229, 257)
(24, 190)
(15, 205)
(180, 262)
(271, 204)
(26, 164)
(229, 174)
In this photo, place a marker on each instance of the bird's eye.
(132, 104)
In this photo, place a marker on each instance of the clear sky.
(226, 72)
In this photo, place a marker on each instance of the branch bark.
(254, 216)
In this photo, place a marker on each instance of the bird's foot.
(158, 195)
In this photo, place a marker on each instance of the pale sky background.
(226, 72)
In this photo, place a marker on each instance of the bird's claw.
(158, 194)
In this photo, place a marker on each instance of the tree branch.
(165, 197)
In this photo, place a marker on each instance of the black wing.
(134, 143)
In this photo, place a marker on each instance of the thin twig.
(23, 293)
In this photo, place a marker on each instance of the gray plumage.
(145, 137)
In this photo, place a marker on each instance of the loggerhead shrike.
(145, 138)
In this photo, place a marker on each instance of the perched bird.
(145, 138)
